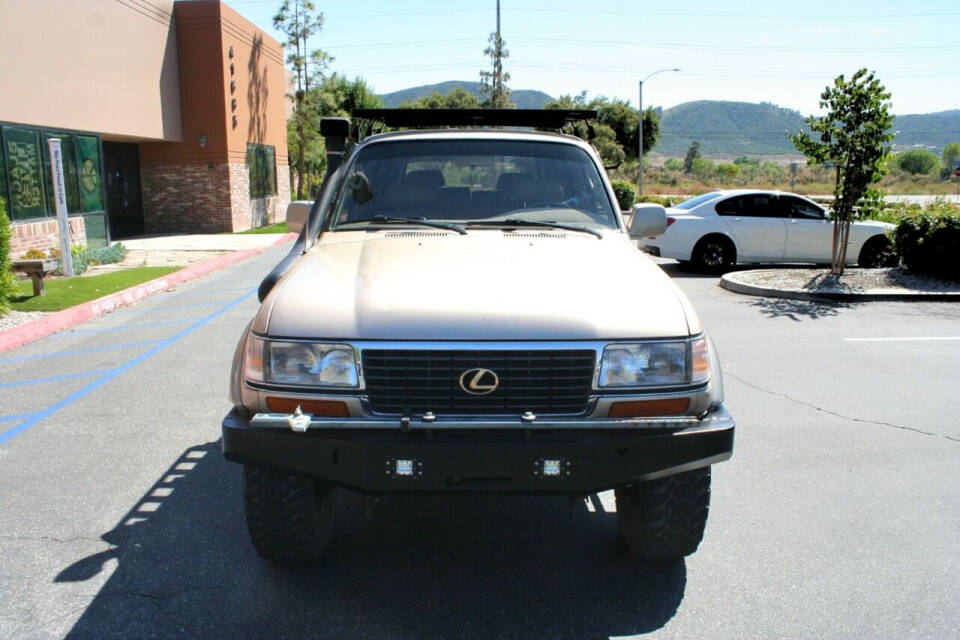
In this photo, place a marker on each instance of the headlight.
(655, 364)
(300, 363)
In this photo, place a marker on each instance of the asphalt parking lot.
(838, 516)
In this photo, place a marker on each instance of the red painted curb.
(67, 318)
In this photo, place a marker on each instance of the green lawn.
(279, 227)
(67, 292)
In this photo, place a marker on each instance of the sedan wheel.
(714, 254)
(877, 252)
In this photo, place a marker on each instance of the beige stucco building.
(172, 117)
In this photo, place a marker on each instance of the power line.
(627, 12)
(686, 45)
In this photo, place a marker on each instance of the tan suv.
(465, 311)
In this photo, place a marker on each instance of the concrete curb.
(60, 320)
(731, 282)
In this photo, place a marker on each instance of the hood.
(487, 285)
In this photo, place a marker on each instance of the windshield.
(692, 202)
(464, 180)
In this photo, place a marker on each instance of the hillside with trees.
(521, 98)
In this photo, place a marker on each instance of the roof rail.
(414, 118)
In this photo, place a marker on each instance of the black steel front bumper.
(560, 457)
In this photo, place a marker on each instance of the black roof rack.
(413, 118)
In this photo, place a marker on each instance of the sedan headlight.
(300, 363)
(655, 364)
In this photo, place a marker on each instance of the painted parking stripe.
(18, 416)
(122, 327)
(65, 376)
(99, 382)
(911, 339)
(209, 292)
(133, 312)
(79, 352)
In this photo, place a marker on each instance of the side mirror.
(297, 213)
(648, 220)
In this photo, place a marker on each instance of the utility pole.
(494, 81)
(640, 127)
(497, 81)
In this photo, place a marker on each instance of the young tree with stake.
(853, 136)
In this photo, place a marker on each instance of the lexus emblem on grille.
(479, 382)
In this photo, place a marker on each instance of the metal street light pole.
(640, 129)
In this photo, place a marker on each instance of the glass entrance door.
(124, 197)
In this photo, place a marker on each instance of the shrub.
(918, 161)
(84, 257)
(106, 255)
(33, 254)
(728, 170)
(928, 240)
(673, 164)
(702, 168)
(662, 200)
(626, 194)
(7, 284)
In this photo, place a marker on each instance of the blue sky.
(779, 52)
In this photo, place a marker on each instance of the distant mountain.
(522, 98)
(730, 129)
(931, 130)
(727, 129)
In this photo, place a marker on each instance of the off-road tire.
(289, 520)
(664, 519)
(714, 254)
(877, 252)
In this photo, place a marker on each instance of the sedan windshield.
(471, 180)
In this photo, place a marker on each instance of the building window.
(262, 164)
(25, 180)
(24, 173)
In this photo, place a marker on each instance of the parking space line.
(122, 327)
(79, 352)
(130, 312)
(904, 339)
(65, 376)
(99, 382)
(18, 416)
(207, 292)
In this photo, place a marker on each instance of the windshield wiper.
(421, 221)
(517, 222)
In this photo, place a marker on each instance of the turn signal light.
(670, 221)
(648, 408)
(326, 408)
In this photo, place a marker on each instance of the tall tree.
(853, 136)
(616, 131)
(693, 153)
(495, 81)
(299, 20)
(951, 156)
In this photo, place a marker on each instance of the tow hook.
(299, 421)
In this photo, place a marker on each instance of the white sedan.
(720, 229)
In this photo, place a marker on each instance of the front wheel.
(664, 519)
(877, 252)
(714, 254)
(288, 517)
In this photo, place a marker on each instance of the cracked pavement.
(838, 516)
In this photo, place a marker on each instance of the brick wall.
(208, 198)
(249, 213)
(193, 198)
(283, 192)
(43, 235)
